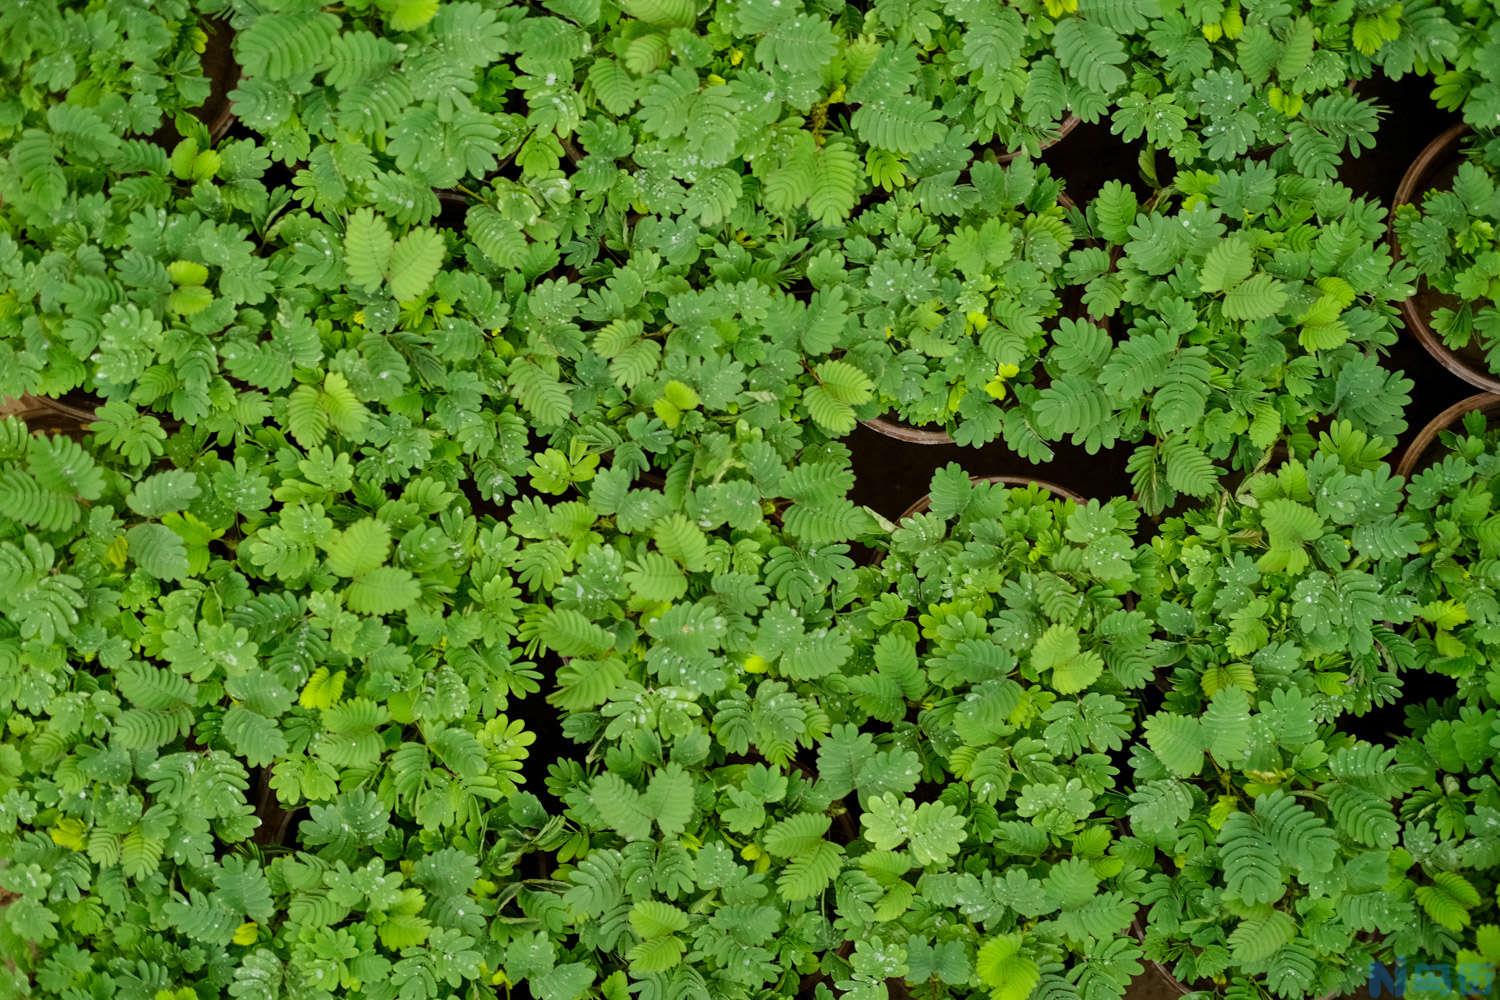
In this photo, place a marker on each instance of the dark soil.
(1150, 985)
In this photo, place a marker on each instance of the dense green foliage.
(1249, 305)
(457, 589)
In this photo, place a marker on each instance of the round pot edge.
(221, 32)
(903, 432)
(1064, 129)
(1407, 191)
(922, 503)
(26, 405)
(1428, 435)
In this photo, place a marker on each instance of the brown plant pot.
(1064, 129)
(921, 505)
(1435, 168)
(1166, 984)
(1423, 450)
(1061, 492)
(49, 416)
(223, 72)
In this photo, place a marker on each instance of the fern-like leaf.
(367, 249)
(414, 262)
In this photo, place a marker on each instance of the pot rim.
(1412, 187)
(922, 503)
(1064, 129)
(42, 415)
(221, 32)
(905, 432)
(1427, 438)
(20, 406)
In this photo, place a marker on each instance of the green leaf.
(1226, 265)
(1158, 808)
(383, 591)
(655, 955)
(569, 632)
(159, 551)
(683, 541)
(1189, 469)
(33, 503)
(651, 918)
(409, 15)
(1073, 669)
(622, 807)
(1257, 297)
(1226, 723)
(543, 396)
(1289, 527)
(187, 272)
(286, 44)
(1258, 938)
(367, 249)
(935, 829)
(613, 86)
(1364, 816)
(359, 548)
(163, 493)
(1252, 871)
(190, 300)
(810, 873)
(346, 414)
(1115, 207)
(414, 262)
(841, 387)
(1448, 899)
(1178, 742)
(254, 737)
(1091, 53)
(665, 13)
(797, 834)
(835, 184)
(656, 578)
(834, 416)
(1001, 966)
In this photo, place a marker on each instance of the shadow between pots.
(890, 474)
